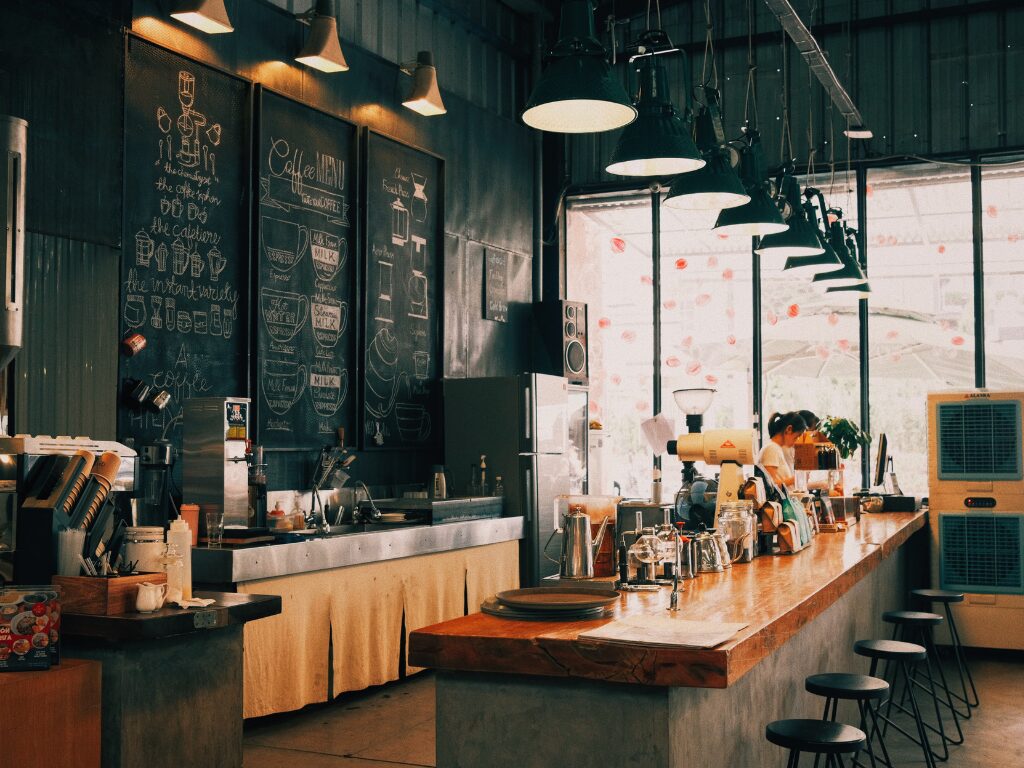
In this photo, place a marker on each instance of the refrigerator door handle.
(529, 414)
(529, 494)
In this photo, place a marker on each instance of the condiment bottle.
(180, 537)
(174, 567)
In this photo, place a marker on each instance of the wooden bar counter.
(550, 698)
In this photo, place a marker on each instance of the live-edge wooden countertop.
(776, 596)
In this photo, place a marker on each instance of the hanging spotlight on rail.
(577, 92)
(827, 257)
(715, 186)
(322, 49)
(425, 97)
(849, 272)
(209, 16)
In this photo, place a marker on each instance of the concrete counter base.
(529, 722)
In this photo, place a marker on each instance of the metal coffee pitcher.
(578, 553)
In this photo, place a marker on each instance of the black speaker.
(560, 340)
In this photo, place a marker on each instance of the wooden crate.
(102, 596)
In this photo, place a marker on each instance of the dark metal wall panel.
(909, 98)
(984, 126)
(456, 313)
(496, 349)
(947, 81)
(60, 69)
(874, 84)
(1014, 65)
(66, 374)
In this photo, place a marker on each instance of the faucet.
(358, 516)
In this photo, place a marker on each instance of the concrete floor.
(394, 726)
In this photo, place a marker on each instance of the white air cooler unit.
(976, 498)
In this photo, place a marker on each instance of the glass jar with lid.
(737, 524)
(144, 546)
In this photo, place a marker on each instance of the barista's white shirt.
(773, 455)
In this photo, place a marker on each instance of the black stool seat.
(838, 685)
(938, 595)
(818, 736)
(917, 618)
(890, 649)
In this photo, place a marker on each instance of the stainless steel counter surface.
(224, 566)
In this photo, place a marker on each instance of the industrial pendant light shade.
(858, 291)
(759, 217)
(322, 50)
(802, 238)
(209, 16)
(425, 97)
(711, 188)
(858, 132)
(658, 142)
(826, 259)
(849, 272)
(577, 92)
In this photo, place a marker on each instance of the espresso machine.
(29, 469)
(215, 473)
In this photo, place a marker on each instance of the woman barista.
(783, 431)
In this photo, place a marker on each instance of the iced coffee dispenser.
(214, 472)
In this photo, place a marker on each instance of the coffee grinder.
(154, 506)
(732, 449)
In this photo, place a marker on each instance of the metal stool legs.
(868, 717)
(831, 761)
(970, 699)
(902, 667)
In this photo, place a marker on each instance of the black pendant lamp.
(849, 272)
(858, 291)
(761, 216)
(577, 92)
(827, 258)
(658, 142)
(716, 186)
(802, 238)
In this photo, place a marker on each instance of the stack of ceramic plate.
(550, 603)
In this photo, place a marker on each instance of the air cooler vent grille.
(979, 440)
(982, 553)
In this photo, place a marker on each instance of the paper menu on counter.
(664, 632)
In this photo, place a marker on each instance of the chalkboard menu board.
(496, 286)
(402, 322)
(185, 248)
(305, 320)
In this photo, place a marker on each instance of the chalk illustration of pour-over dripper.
(417, 284)
(217, 263)
(419, 202)
(399, 223)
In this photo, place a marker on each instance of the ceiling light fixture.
(802, 238)
(658, 142)
(209, 16)
(577, 92)
(715, 186)
(425, 96)
(859, 291)
(858, 132)
(322, 50)
(760, 216)
(849, 273)
(827, 257)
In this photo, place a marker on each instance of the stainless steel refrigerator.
(521, 423)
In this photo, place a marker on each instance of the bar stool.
(917, 626)
(946, 597)
(816, 737)
(861, 689)
(902, 655)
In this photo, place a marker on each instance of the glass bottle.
(499, 486)
(174, 566)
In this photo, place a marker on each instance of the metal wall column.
(656, 294)
(979, 277)
(863, 317)
(758, 354)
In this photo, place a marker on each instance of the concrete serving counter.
(549, 698)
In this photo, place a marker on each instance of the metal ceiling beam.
(815, 58)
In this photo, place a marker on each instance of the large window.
(811, 339)
(921, 325)
(610, 268)
(1002, 192)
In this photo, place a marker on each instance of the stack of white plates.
(551, 603)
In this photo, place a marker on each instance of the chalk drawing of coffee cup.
(330, 317)
(284, 313)
(134, 310)
(382, 376)
(283, 384)
(284, 242)
(328, 386)
(328, 252)
(413, 422)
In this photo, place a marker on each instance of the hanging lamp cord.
(751, 95)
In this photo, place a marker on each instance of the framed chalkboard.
(400, 398)
(305, 318)
(184, 269)
(495, 285)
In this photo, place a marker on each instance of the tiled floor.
(394, 726)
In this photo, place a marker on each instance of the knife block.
(103, 595)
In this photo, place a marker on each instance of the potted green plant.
(844, 434)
